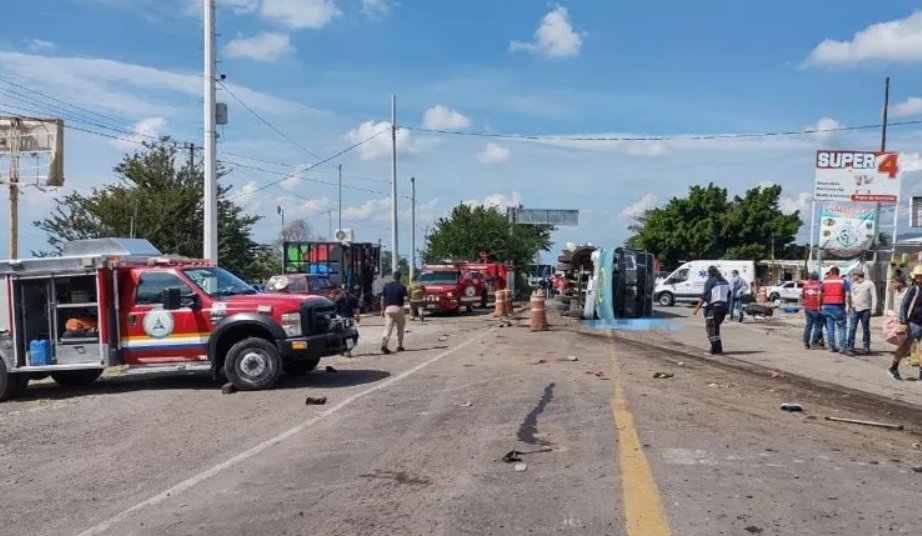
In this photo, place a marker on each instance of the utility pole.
(395, 258)
(210, 226)
(340, 196)
(15, 131)
(191, 158)
(413, 228)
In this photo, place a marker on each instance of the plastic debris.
(917, 445)
(465, 405)
(867, 423)
(713, 385)
(663, 375)
(752, 529)
(443, 338)
(571, 358)
(681, 363)
(315, 400)
(791, 406)
(917, 469)
(331, 370)
(513, 456)
(519, 467)
(541, 362)
(599, 374)
(228, 389)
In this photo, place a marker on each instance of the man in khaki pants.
(392, 302)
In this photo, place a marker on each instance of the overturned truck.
(606, 283)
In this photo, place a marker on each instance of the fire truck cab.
(449, 287)
(116, 302)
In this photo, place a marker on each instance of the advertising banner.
(857, 176)
(846, 231)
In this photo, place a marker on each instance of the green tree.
(709, 225)
(467, 231)
(159, 199)
(402, 264)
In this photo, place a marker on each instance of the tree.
(159, 199)
(468, 230)
(402, 264)
(297, 231)
(709, 225)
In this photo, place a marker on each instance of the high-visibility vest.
(417, 292)
(834, 291)
(812, 295)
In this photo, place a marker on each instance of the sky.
(306, 79)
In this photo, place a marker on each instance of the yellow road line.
(643, 508)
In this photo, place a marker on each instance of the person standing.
(347, 305)
(417, 300)
(911, 319)
(835, 297)
(739, 288)
(393, 299)
(863, 303)
(813, 303)
(717, 297)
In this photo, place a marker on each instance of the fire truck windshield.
(218, 282)
(439, 277)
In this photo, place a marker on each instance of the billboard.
(857, 176)
(846, 231)
(536, 216)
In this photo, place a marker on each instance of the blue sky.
(322, 71)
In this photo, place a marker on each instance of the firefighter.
(417, 300)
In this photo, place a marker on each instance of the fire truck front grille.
(317, 316)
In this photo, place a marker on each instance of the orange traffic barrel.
(538, 312)
(500, 308)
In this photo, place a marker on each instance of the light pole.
(281, 212)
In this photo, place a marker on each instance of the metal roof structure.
(83, 256)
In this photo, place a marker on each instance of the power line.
(689, 137)
(285, 164)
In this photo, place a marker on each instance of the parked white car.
(789, 291)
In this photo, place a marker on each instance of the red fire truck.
(453, 285)
(121, 302)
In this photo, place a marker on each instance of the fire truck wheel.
(253, 364)
(302, 368)
(11, 385)
(76, 378)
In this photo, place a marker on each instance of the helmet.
(917, 270)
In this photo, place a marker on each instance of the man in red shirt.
(813, 304)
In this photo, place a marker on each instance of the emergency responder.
(836, 297)
(417, 300)
(813, 304)
(392, 302)
(347, 305)
(717, 297)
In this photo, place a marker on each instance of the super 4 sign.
(857, 176)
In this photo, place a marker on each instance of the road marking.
(243, 456)
(643, 508)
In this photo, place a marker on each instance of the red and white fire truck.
(121, 302)
(451, 286)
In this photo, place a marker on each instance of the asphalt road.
(413, 443)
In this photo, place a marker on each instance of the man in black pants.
(717, 297)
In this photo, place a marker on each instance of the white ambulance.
(686, 283)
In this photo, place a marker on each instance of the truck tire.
(11, 385)
(666, 299)
(253, 364)
(76, 378)
(302, 368)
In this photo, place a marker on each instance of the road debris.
(662, 375)
(513, 456)
(681, 363)
(571, 358)
(465, 405)
(541, 362)
(600, 374)
(331, 370)
(713, 385)
(791, 406)
(867, 423)
(917, 469)
(228, 388)
(917, 445)
(777, 375)
(519, 467)
(315, 400)
(443, 338)
(752, 529)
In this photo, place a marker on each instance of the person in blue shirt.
(716, 302)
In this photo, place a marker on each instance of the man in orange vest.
(836, 302)
(813, 304)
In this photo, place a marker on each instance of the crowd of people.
(834, 304)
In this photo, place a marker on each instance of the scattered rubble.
(315, 400)
(599, 374)
(541, 362)
(228, 388)
(571, 358)
(917, 469)
(443, 338)
(681, 363)
(752, 529)
(513, 456)
(777, 375)
(465, 405)
(663, 375)
(792, 407)
(867, 423)
(519, 467)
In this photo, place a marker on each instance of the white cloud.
(145, 130)
(642, 205)
(825, 128)
(444, 118)
(39, 45)
(910, 106)
(555, 38)
(802, 202)
(265, 46)
(380, 146)
(377, 8)
(494, 154)
(124, 88)
(892, 41)
(498, 200)
(301, 14)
